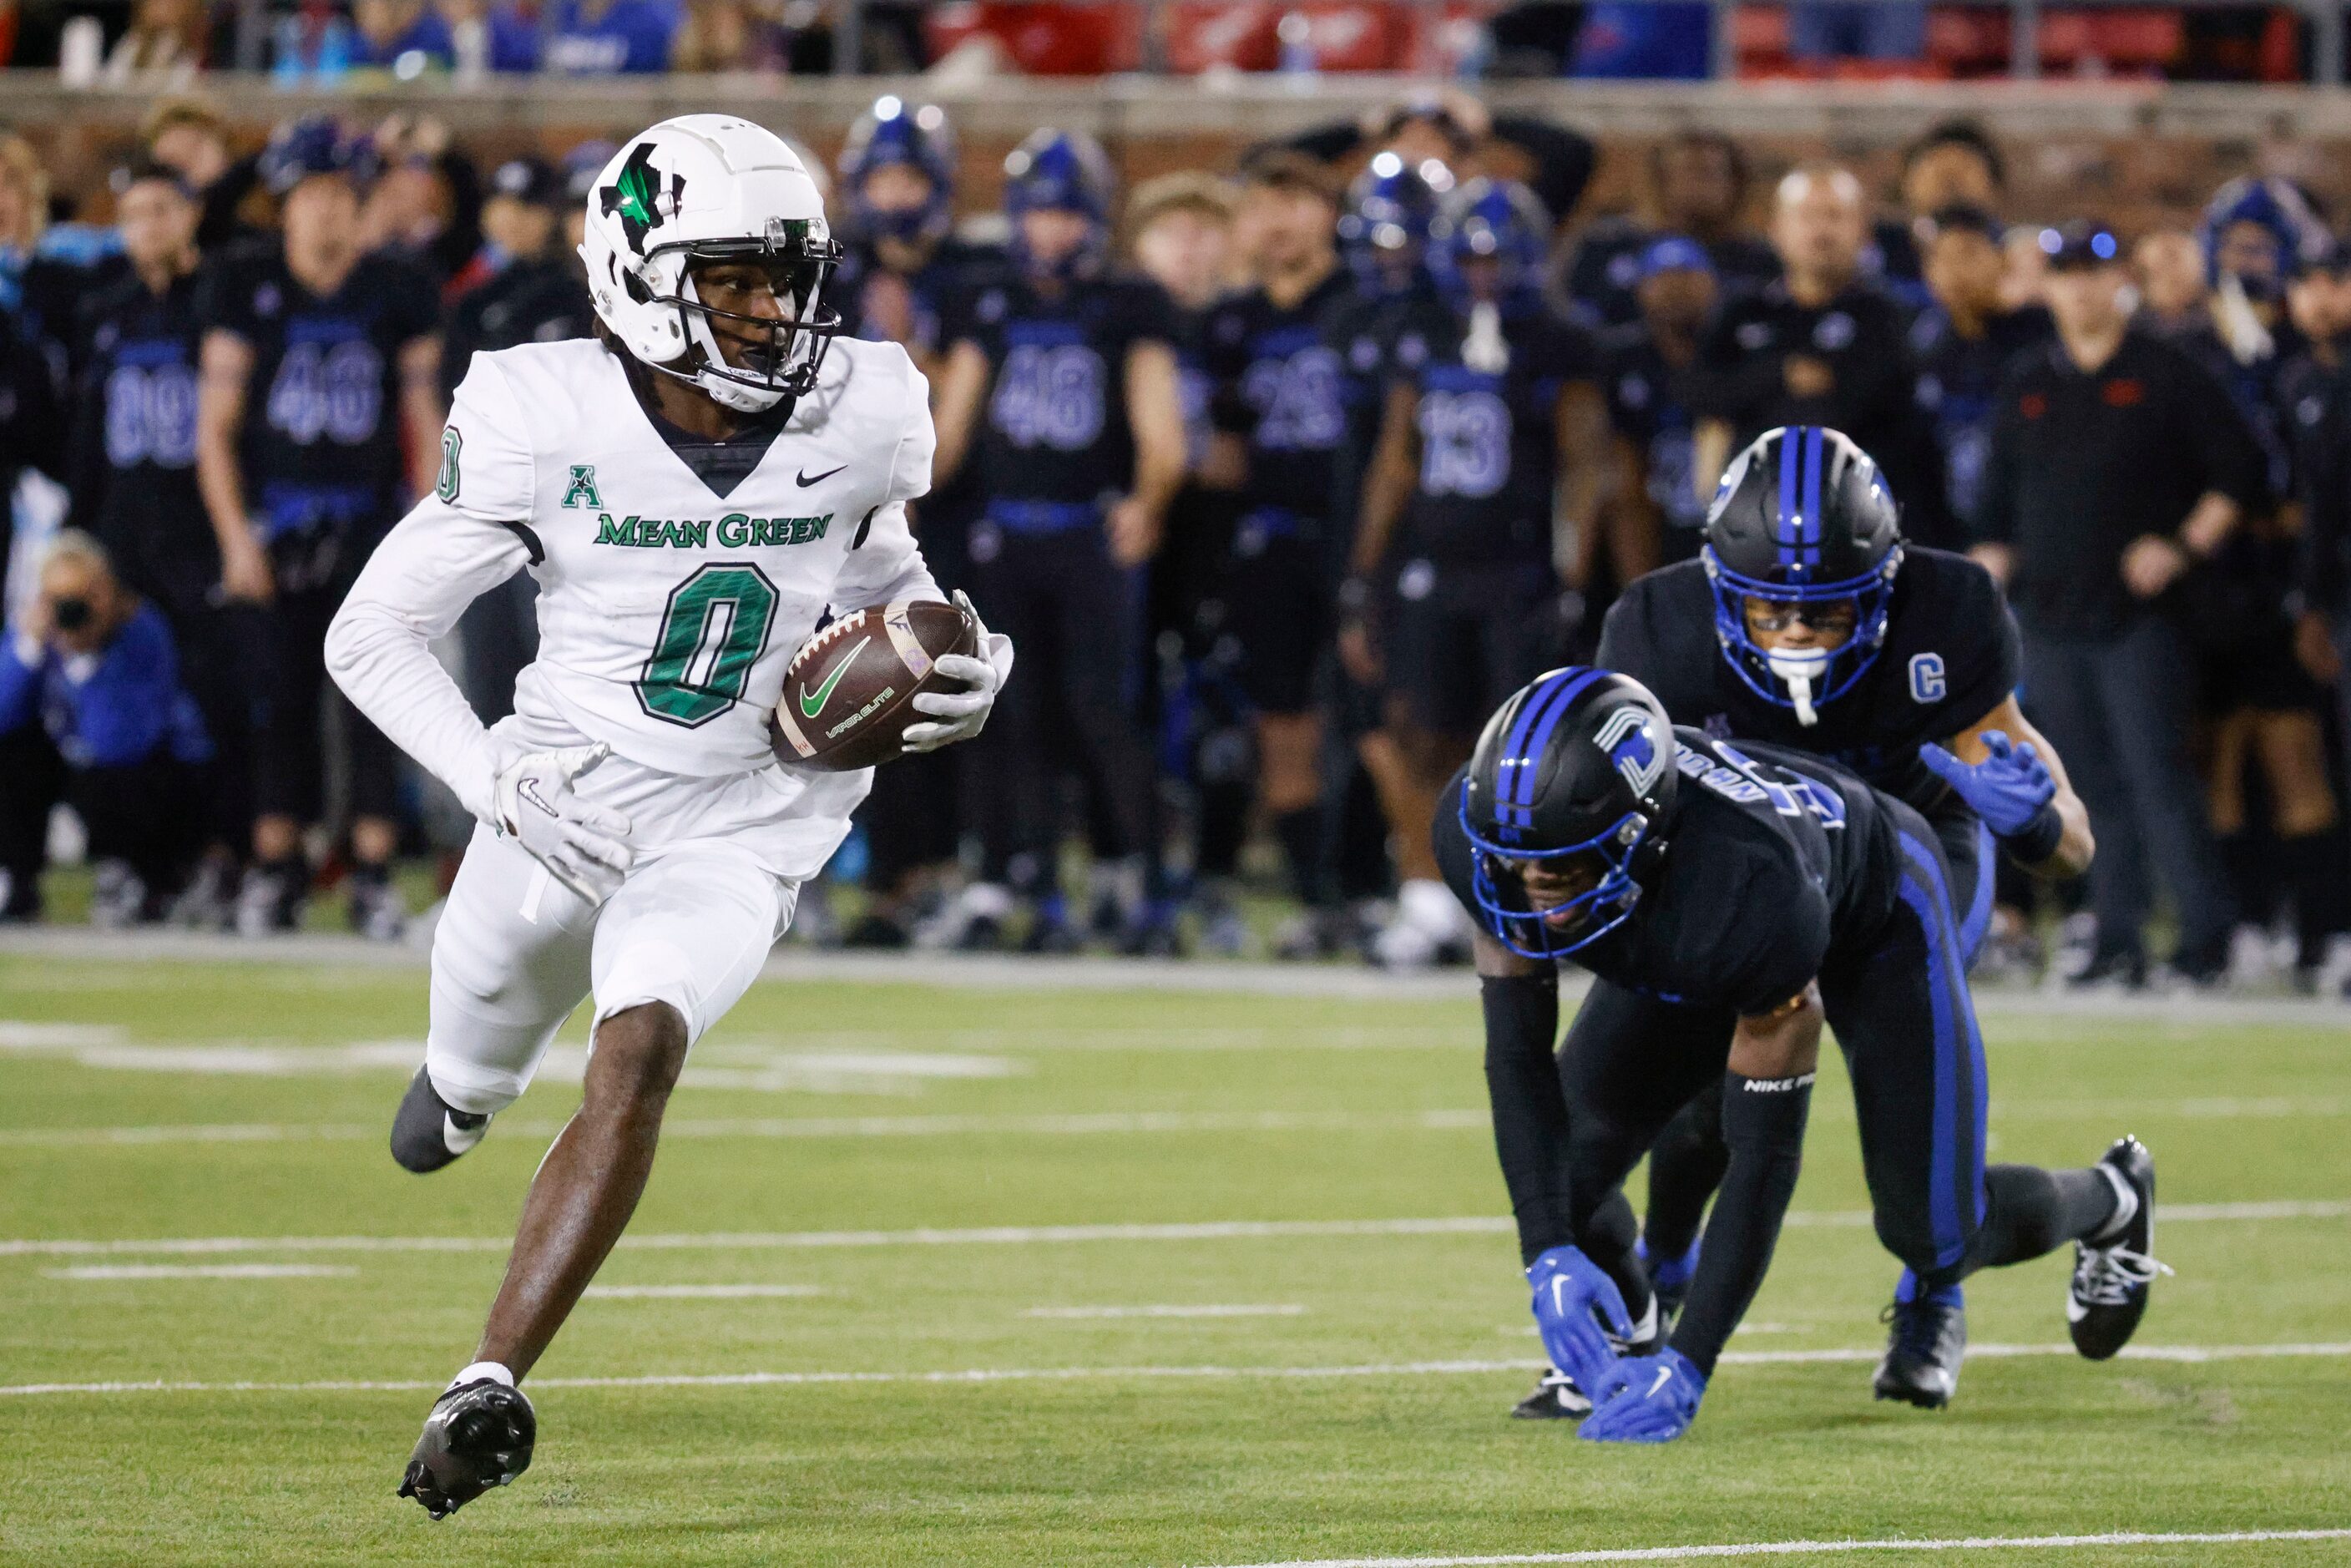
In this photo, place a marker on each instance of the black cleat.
(427, 1131)
(1926, 1343)
(478, 1436)
(2113, 1275)
(1555, 1399)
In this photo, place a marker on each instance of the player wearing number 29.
(691, 490)
(1729, 901)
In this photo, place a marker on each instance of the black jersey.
(1774, 863)
(951, 270)
(1488, 439)
(1054, 433)
(1958, 388)
(1649, 405)
(321, 445)
(1282, 383)
(541, 301)
(134, 440)
(1951, 657)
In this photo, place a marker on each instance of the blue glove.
(2007, 789)
(1646, 1399)
(1577, 1308)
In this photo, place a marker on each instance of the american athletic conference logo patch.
(1638, 758)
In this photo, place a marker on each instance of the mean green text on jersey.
(736, 531)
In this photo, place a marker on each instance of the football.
(849, 693)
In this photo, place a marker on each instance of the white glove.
(965, 713)
(584, 846)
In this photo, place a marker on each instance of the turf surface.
(835, 1149)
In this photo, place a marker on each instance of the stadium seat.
(1045, 40)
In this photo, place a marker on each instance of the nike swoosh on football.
(804, 480)
(823, 694)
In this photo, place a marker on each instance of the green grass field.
(931, 1213)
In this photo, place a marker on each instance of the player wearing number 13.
(691, 490)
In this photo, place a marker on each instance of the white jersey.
(667, 610)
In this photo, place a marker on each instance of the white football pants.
(515, 951)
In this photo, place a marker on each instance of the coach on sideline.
(2117, 463)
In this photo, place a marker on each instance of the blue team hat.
(1674, 253)
(315, 145)
(583, 165)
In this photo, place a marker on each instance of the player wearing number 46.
(1729, 901)
(692, 490)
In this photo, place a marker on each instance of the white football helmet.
(711, 187)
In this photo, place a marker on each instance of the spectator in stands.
(318, 415)
(726, 36)
(2117, 463)
(1822, 345)
(1658, 511)
(406, 38)
(586, 38)
(1965, 340)
(132, 475)
(1697, 189)
(88, 676)
(1882, 31)
(164, 43)
(1954, 164)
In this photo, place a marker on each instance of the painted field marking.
(697, 1292)
(1808, 1548)
(1283, 1310)
(201, 1271)
(1019, 1235)
(2194, 1355)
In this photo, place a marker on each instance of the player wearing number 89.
(692, 490)
(1490, 458)
(1729, 901)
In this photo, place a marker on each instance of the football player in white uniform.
(691, 490)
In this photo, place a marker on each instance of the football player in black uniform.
(1730, 902)
(316, 361)
(1807, 621)
(1061, 383)
(1283, 397)
(133, 480)
(1963, 343)
(1493, 450)
(902, 269)
(1657, 510)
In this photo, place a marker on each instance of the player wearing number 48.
(693, 490)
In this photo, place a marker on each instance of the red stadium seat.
(1045, 40)
(1343, 37)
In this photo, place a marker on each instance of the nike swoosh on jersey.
(804, 480)
(823, 694)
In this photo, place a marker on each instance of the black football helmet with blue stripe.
(1575, 774)
(1803, 517)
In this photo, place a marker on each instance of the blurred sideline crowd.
(1320, 458)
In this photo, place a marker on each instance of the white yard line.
(1013, 1235)
(1284, 1310)
(1811, 1547)
(201, 1271)
(698, 1292)
(2189, 1353)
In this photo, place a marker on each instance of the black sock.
(369, 873)
(1530, 1110)
(2317, 864)
(2241, 858)
(1686, 1164)
(1764, 1125)
(2029, 1211)
(1300, 832)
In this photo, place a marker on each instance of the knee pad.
(652, 970)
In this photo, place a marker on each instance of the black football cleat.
(427, 1131)
(1555, 1399)
(1925, 1342)
(479, 1435)
(2113, 1275)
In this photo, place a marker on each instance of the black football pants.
(1076, 618)
(1900, 1008)
(1686, 1162)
